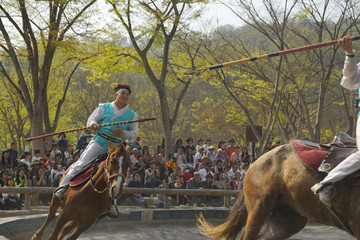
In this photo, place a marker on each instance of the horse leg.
(60, 222)
(68, 227)
(257, 215)
(283, 223)
(54, 205)
(80, 229)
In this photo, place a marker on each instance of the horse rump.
(233, 225)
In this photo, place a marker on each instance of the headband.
(122, 90)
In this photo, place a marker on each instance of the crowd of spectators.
(200, 166)
(191, 166)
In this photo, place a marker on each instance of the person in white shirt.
(116, 111)
(233, 171)
(198, 156)
(211, 154)
(350, 81)
(205, 171)
(26, 159)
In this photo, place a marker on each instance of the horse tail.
(233, 225)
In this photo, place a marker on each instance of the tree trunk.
(165, 116)
(37, 129)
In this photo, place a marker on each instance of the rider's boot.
(60, 192)
(324, 192)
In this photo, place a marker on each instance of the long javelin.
(269, 55)
(85, 128)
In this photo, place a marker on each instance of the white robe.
(351, 81)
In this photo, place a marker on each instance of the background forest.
(59, 59)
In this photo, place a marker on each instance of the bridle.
(109, 177)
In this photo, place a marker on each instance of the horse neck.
(100, 179)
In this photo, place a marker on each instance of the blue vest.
(106, 118)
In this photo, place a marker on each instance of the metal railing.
(166, 192)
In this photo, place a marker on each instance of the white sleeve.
(95, 117)
(351, 75)
(132, 133)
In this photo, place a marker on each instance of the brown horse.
(83, 204)
(277, 194)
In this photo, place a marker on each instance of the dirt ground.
(182, 229)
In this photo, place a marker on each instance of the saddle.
(325, 157)
(87, 172)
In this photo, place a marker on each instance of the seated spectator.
(206, 171)
(4, 176)
(171, 164)
(187, 175)
(152, 176)
(11, 200)
(211, 154)
(219, 166)
(34, 168)
(199, 145)
(57, 179)
(164, 173)
(235, 156)
(173, 177)
(136, 197)
(237, 182)
(20, 178)
(190, 151)
(40, 180)
(146, 154)
(68, 155)
(221, 156)
(245, 156)
(140, 165)
(55, 173)
(5, 161)
(26, 158)
(46, 158)
(233, 171)
(230, 149)
(179, 144)
(207, 145)
(204, 161)
(180, 157)
(219, 184)
(54, 150)
(159, 202)
(58, 160)
(36, 156)
(133, 157)
(181, 200)
(207, 184)
(197, 158)
(194, 183)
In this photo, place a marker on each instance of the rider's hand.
(345, 43)
(94, 127)
(118, 132)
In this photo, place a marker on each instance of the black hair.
(122, 85)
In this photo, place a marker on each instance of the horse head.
(118, 164)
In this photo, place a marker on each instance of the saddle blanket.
(83, 176)
(311, 156)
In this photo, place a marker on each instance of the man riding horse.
(116, 111)
(351, 81)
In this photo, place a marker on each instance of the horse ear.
(111, 147)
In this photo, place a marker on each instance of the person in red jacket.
(187, 175)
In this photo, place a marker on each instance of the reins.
(107, 175)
